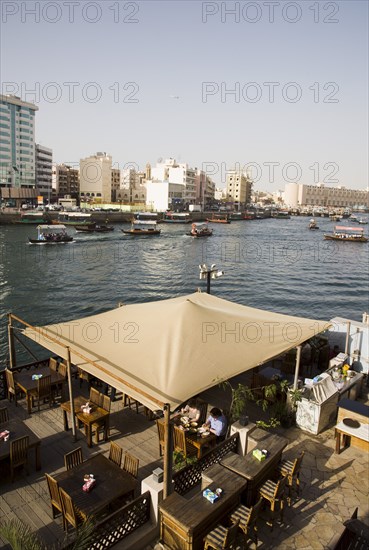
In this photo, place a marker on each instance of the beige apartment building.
(96, 177)
(65, 180)
(299, 194)
(238, 188)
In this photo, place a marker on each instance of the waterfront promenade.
(332, 485)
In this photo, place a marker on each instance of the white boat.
(313, 224)
(51, 234)
(343, 233)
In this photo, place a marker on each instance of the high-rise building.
(17, 142)
(238, 188)
(44, 168)
(95, 178)
(66, 181)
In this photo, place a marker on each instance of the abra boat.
(142, 227)
(73, 218)
(218, 218)
(343, 233)
(103, 228)
(51, 234)
(200, 229)
(176, 217)
(313, 224)
(93, 228)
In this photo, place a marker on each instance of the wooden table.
(357, 437)
(255, 471)
(23, 380)
(184, 521)
(17, 428)
(112, 483)
(201, 442)
(97, 415)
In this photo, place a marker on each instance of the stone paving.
(331, 487)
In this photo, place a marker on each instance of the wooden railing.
(120, 524)
(188, 477)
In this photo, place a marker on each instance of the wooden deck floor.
(325, 476)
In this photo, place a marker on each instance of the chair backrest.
(4, 414)
(161, 430)
(297, 464)
(115, 453)
(231, 535)
(53, 364)
(44, 386)
(54, 491)
(203, 407)
(130, 464)
(105, 403)
(19, 451)
(280, 487)
(179, 440)
(73, 458)
(254, 513)
(69, 512)
(62, 370)
(10, 380)
(95, 396)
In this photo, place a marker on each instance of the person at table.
(191, 410)
(217, 423)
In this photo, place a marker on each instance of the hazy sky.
(278, 87)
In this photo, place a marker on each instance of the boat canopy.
(50, 227)
(345, 228)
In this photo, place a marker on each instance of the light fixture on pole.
(209, 273)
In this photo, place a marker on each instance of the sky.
(276, 88)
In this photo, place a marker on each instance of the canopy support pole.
(297, 368)
(168, 456)
(347, 338)
(12, 357)
(69, 374)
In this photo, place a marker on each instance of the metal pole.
(168, 457)
(71, 394)
(296, 379)
(12, 358)
(208, 274)
(347, 337)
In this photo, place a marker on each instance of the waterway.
(273, 264)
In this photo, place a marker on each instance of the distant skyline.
(279, 88)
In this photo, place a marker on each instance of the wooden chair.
(43, 391)
(247, 518)
(70, 514)
(181, 444)
(19, 454)
(274, 493)
(95, 397)
(4, 415)
(130, 464)
(56, 504)
(104, 403)
(13, 390)
(115, 453)
(63, 370)
(161, 434)
(221, 537)
(291, 469)
(73, 458)
(128, 401)
(53, 364)
(203, 407)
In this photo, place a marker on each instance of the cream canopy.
(169, 350)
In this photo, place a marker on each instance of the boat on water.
(218, 218)
(176, 217)
(200, 229)
(35, 218)
(313, 224)
(93, 228)
(51, 234)
(362, 221)
(73, 218)
(281, 215)
(344, 233)
(235, 216)
(142, 227)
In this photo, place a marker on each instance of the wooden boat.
(200, 229)
(218, 218)
(142, 227)
(73, 218)
(313, 224)
(51, 234)
(343, 233)
(176, 217)
(85, 227)
(236, 216)
(281, 215)
(103, 228)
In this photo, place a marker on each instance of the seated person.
(191, 410)
(217, 423)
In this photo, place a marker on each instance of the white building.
(238, 188)
(44, 168)
(96, 177)
(17, 142)
(299, 194)
(180, 174)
